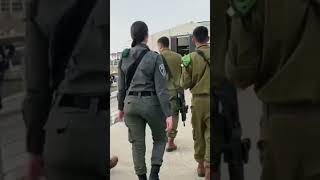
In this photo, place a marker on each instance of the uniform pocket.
(75, 132)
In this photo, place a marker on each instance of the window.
(17, 6)
(5, 5)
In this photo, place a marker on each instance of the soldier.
(273, 46)
(67, 127)
(143, 99)
(173, 61)
(196, 77)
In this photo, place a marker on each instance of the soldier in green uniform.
(274, 47)
(67, 127)
(196, 77)
(173, 61)
(144, 99)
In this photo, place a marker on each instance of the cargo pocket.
(68, 132)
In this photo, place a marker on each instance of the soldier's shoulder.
(177, 54)
(154, 55)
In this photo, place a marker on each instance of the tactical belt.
(142, 93)
(82, 102)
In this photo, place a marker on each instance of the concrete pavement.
(12, 135)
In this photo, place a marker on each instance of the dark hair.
(200, 33)
(139, 30)
(164, 41)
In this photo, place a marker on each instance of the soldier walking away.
(66, 43)
(144, 99)
(196, 77)
(172, 61)
(273, 46)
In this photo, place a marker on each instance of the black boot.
(154, 174)
(142, 177)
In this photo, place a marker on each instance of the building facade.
(12, 14)
(12, 7)
(179, 37)
(114, 61)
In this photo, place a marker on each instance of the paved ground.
(12, 134)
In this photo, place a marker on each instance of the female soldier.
(143, 99)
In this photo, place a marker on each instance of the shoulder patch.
(125, 53)
(242, 7)
(186, 60)
(162, 70)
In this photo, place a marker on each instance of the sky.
(159, 15)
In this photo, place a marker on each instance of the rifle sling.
(203, 57)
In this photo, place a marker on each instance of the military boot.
(170, 145)
(142, 177)
(207, 174)
(113, 162)
(201, 170)
(154, 174)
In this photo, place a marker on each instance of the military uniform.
(65, 54)
(174, 64)
(273, 47)
(196, 77)
(145, 102)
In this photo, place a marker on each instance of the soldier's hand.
(120, 116)
(34, 167)
(169, 124)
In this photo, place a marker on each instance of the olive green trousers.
(201, 127)
(175, 113)
(138, 112)
(289, 145)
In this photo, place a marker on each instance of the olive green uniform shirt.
(173, 60)
(277, 52)
(196, 76)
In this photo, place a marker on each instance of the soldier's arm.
(244, 51)
(37, 102)
(121, 87)
(161, 86)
